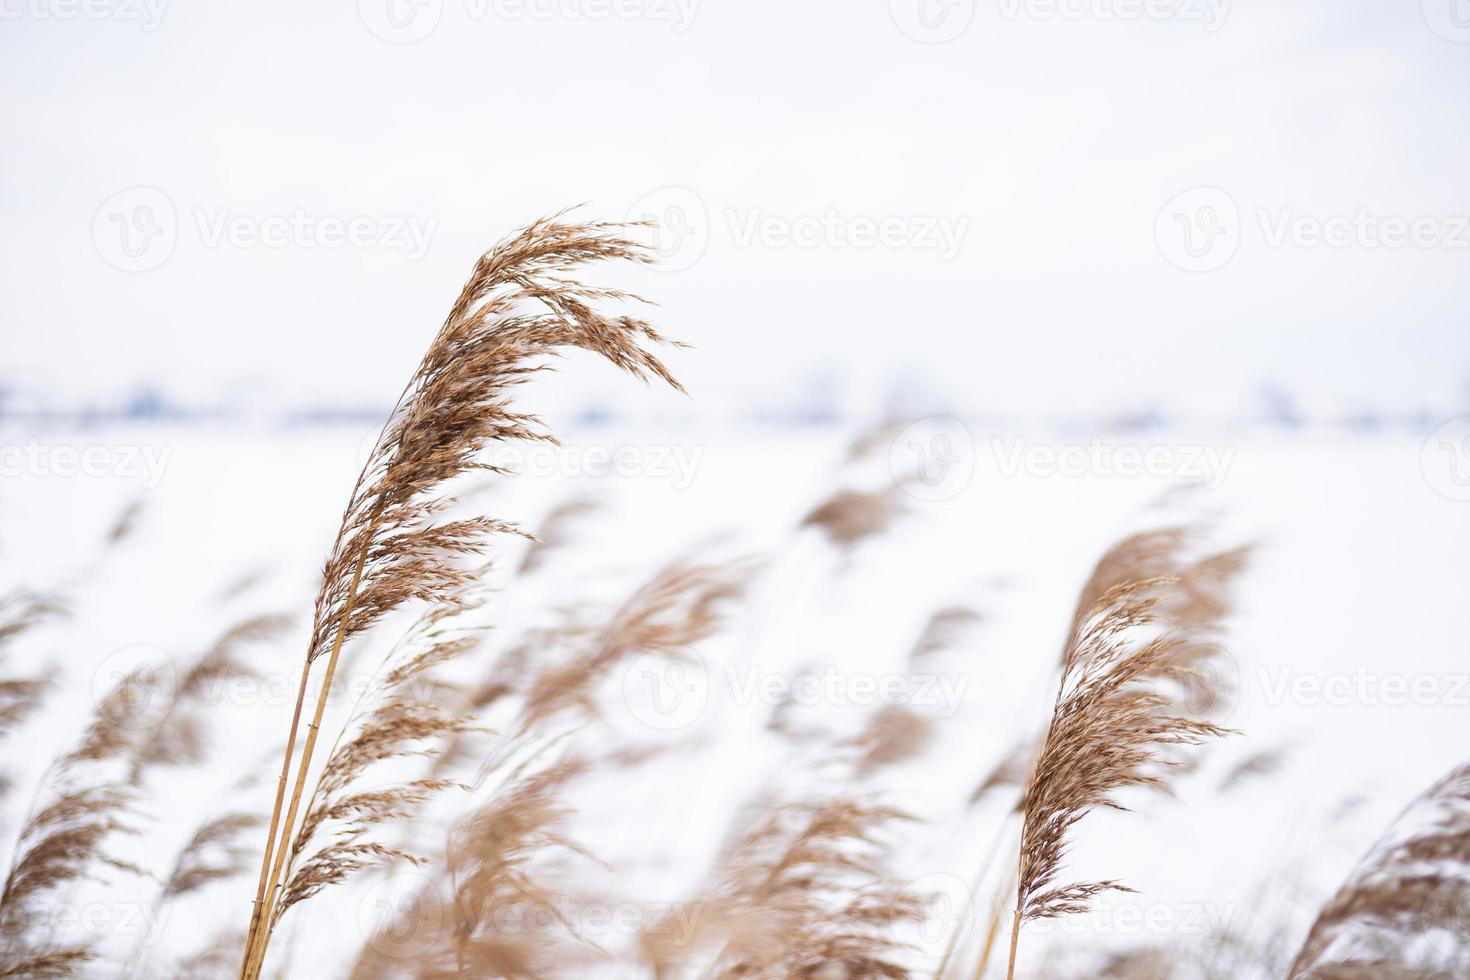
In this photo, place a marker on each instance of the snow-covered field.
(1347, 651)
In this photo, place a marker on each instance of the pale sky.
(998, 214)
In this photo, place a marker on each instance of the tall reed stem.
(270, 840)
(1015, 938)
(256, 943)
(997, 912)
(979, 880)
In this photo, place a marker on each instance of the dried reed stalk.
(494, 857)
(57, 846)
(63, 841)
(894, 734)
(490, 862)
(518, 307)
(180, 737)
(491, 867)
(677, 608)
(851, 516)
(212, 854)
(21, 612)
(126, 523)
(992, 929)
(1198, 596)
(216, 959)
(802, 893)
(945, 628)
(803, 890)
(1139, 651)
(1405, 911)
(555, 531)
(216, 852)
(1012, 771)
(1379, 970)
(1255, 766)
(400, 717)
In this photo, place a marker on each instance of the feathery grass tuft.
(62, 843)
(400, 717)
(1405, 912)
(519, 307)
(1140, 651)
(21, 612)
(802, 893)
(851, 516)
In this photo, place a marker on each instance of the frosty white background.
(974, 290)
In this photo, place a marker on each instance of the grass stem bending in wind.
(519, 307)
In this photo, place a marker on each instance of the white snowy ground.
(1359, 586)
